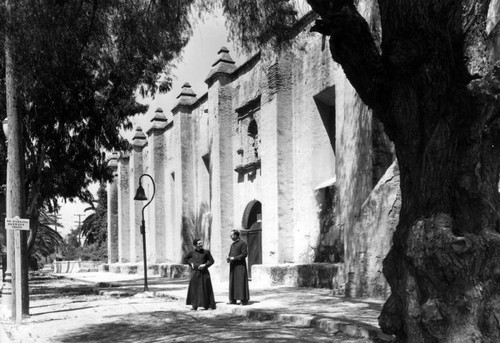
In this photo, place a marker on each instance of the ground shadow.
(176, 326)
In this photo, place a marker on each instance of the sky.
(197, 59)
(72, 212)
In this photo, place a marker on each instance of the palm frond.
(46, 242)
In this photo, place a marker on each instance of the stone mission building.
(280, 148)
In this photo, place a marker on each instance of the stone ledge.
(166, 270)
(175, 271)
(63, 267)
(314, 275)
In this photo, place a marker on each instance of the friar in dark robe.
(200, 291)
(238, 276)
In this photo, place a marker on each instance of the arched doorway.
(251, 233)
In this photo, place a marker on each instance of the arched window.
(253, 130)
(249, 140)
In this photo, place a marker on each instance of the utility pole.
(15, 300)
(79, 225)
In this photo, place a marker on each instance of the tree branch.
(353, 47)
(91, 28)
(487, 90)
(35, 191)
(34, 226)
(34, 205)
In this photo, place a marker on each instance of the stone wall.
(284, 134)
(65, 267)
(318, 275)
(379, 217)
(313, 146)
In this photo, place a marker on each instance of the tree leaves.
(94, 227)
(79, 64)
(47, 238)
(253, 23)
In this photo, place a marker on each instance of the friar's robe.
(238, 276)
(200, 290)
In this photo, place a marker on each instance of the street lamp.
(5, 127)
(140, 195)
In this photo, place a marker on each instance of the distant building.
(281, 148)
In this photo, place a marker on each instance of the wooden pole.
(12, 306)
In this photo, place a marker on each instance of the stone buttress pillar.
(183, 128)
(112, 190)
(157, 155)
(221, 158)
(139, 141)
(277, 164)
(124, 228)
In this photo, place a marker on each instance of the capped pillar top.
(159, 120)
(113, 160)
(223, 57)
(124, 155)
(223, 65)
(159, 115)
(187, 97)
(139, 139)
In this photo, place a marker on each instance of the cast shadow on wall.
(330, 247)
(196, 225)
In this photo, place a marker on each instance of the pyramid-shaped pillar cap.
(113, 160)
(124, 155)
(139, 139)
(186, 91)
(224, 57)
(223, 65)
(187, 97)
(139, 134)
(159, 116)
(159, 121)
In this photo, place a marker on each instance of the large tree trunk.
(433, 85)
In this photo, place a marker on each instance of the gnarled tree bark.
(432, 83)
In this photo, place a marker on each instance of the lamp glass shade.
(140, 194)
(5, 127)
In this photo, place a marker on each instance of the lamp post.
(140, 195)
(3, 207)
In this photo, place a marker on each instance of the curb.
(327, 325)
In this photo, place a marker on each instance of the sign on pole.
(17, 223)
